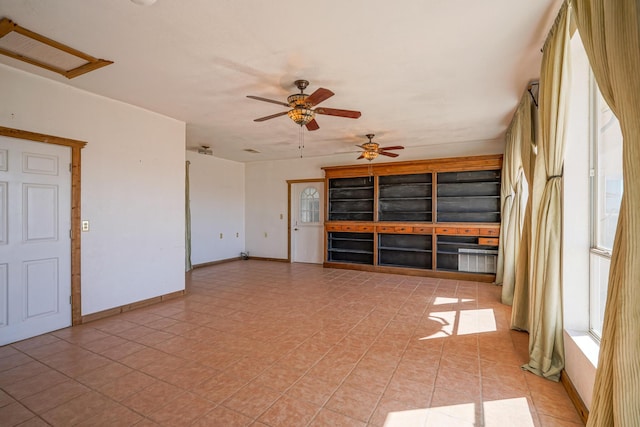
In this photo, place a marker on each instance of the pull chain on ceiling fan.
(301, 107)
(373, 149)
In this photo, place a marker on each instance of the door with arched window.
(307, 222)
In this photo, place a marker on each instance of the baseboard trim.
(220, 261)
(574, 396)
(259, 258)
(128, 307)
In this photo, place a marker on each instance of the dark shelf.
(388, 248)
(369, 187)
(351, 199)
(336, 199)
(404, 198)
(350, 247)
(355, 251)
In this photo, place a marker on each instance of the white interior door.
(35, 243)
(307, 222)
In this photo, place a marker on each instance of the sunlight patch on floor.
(463, 322)
(496, 413)
(445, 300)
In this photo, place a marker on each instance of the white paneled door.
(307, 222)
(35, 243)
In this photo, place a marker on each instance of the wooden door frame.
(289, 183)
(76, 146)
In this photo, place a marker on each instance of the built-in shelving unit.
(351, 199)
(430, 217)
(350, 247)
(405, 250)
(405, 197)
(471, 196)
(464, 253)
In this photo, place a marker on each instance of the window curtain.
(520, 306)
(187, 215)
(513, 199)
(610, 32)
(546, 349)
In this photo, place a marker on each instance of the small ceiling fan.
(202, 149)
(301, 106)
(373, 149)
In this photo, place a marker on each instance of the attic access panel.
(25, 45)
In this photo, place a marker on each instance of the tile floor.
(259, 343)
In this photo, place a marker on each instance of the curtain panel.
(610, 32)
(520, 305)
(546, 347)
(513, 199)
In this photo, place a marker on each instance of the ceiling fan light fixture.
(301, 115)
(370, 155)
(298, 100)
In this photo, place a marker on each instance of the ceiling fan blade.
(395, 147)
(319, 95)
(361, 157)
(259, 98)
(384, 153)
(313, 125)
(340, 113)
(273, 116)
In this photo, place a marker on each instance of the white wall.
(266, 188)
(132, 185)
(216, 188)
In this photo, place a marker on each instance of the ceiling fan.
(301, 106)
(202, 149)
(373, 149)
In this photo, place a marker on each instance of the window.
(606, 195)
(310, 205)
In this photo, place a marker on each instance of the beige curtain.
(520, 306)
(513, 199)
(610, 32)
(546, 349)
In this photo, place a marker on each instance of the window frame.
(597, 252)
(314, 213)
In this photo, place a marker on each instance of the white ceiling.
(421, 72)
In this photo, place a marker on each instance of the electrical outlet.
(85, 225)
